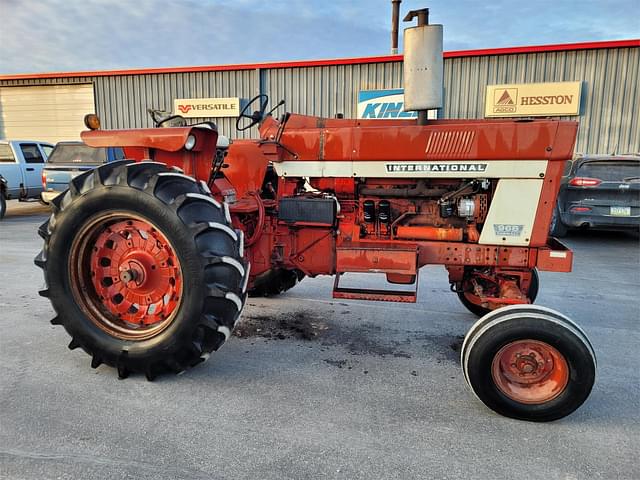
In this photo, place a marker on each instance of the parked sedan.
(601, 192)
(70, 159)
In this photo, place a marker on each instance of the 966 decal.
(507, 229)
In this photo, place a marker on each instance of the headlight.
(190, 143)
(91, 121)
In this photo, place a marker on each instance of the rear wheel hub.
(127, 276)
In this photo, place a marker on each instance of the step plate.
(401, 296)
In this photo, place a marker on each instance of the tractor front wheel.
(528, 362)
(143, 268)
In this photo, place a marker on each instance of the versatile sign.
(207, 107)
(385, 104)
(533, 100)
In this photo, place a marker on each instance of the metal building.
(50, 106)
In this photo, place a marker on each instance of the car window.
(31, 153)
(567, 168)
(6, 154)
(77, 153)
(47, 150)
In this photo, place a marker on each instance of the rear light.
(585, 182)
(580, 209)
(44, 179)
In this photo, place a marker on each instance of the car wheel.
(557, 228)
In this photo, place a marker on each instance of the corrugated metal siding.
(610, 97)
(608, 122)
(122, 102)
(326, 91)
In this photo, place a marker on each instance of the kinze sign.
(385, 104)
(207, 107)
(533, 100)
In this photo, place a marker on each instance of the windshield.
(77, 153)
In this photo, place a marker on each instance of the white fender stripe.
(412, 169)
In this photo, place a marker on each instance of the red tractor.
(148, 262)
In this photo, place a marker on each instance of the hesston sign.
(533, 100)
(207, 107)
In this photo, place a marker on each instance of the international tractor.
(148, 261)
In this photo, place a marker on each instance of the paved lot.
(315, 388)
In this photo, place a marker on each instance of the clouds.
(55, 35)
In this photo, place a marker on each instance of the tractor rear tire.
(276, 282)
(143, 268)
(480, 311)
(529, 362)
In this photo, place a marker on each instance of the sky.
(73, 35)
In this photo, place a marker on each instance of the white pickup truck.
(21, 163)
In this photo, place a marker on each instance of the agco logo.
(184, 108)
(505, 100)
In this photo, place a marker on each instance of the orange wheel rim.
(126, 276)
(530, 371)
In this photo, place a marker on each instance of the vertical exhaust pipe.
(423, 65)
(395, 20)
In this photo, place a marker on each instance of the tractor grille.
(450, 143)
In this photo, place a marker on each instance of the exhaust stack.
(395, 20)
(423, 65)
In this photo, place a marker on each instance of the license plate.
(621, 211)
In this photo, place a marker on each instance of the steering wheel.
(257, 116)
(166, 119)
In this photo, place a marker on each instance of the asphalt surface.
(316, 388)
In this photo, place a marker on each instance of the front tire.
(143, 268)
(529, 363)
(3, 206)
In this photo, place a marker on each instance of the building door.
(46, 113)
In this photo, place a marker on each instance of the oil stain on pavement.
(358, 339)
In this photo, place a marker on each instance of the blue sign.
(385, 104)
